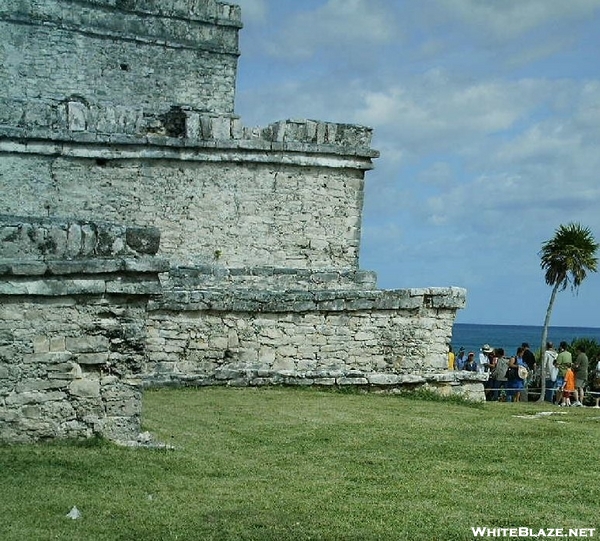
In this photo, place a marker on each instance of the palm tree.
(567, 258)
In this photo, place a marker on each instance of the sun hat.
(486, 348)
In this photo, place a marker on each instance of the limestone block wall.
(379, 338)
(290, 196)
(62, 242)
(119, 53)
(70, 366)
(73, 299)
(120, 112)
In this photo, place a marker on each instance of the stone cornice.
(253, 300)
(166, 28)
(118, 147)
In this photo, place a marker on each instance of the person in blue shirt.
(471, 365)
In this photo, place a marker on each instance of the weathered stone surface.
(92, 358)
(45, 393)
(87, 344)
(31, 245)
(144, 49)
(384, 379)
(144, 240)
(325, 233)
(85, 388)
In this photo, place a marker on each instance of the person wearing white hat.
(484, 361)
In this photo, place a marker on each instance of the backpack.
(512, 373)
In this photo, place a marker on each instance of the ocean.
(472, 337)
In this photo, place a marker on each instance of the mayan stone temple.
(148, 237)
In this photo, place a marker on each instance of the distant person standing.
(550, 371)
(596, 385)
(451, 358)
(568, 388)
(499, 375)
(563, 362)
(470, 365)
(484, 358)
(581, 375)
(461, 359)
(528, 357)
(514, 382)
(487, 363)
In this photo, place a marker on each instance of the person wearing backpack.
(515, 382)
(499, 375)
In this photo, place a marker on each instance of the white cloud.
(437, 113)
(507, 19)
(527, 55)
(587, 115)
(253, 11)
(545, 142)
(510, 190)
(438, 174)
(336, 24)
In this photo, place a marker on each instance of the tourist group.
(511, 377)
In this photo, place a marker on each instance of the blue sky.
(487, 117)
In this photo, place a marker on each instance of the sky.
(487, 117)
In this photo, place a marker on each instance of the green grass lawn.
(299, 464)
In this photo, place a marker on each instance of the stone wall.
(70, 366)
(131, 54)
(73, 299)
(377, 338)
(148, 237)
(290, 195)
(201, 277)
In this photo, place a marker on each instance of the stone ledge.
(199, 130)
(212, 11)
(277, 278)
(89, 285)
(252, 300)
(446, 383)
(44, 238)
(336, 158)
(46, 268)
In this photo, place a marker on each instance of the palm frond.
(569, 256)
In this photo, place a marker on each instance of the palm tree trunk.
(545, 339)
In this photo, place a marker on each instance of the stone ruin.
(148, 237)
